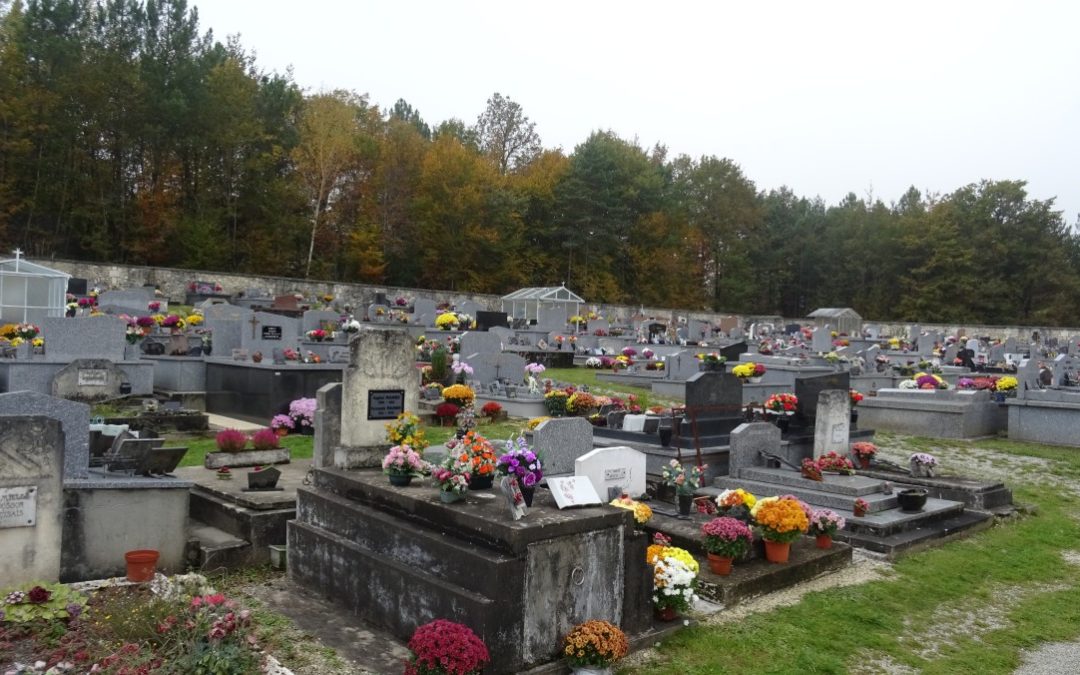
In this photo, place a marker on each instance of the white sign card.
(573, 491)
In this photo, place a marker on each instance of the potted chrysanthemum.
(824, 525)
(725, 539)
(781, 521)
(591, 648)
(446, 648)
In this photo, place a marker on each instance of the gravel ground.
(1055, 658)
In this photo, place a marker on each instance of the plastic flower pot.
(448, 497)
(400, 479)
(685, 501)
(666, 614)
(719, 564)
(141, 564)
(913, 500)
(824, 541)
(528, 493)
(478, 482)
(777, 551)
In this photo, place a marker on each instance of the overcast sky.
(824, 97)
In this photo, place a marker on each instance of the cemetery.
(543, 469)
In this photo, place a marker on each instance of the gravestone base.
(351, 457)
(216, 460)
(399, 558)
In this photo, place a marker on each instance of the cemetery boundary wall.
(173, 283)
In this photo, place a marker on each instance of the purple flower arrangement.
(824, 521)
(521, 462)
(927, 382)
(302, 410)
(726, 537)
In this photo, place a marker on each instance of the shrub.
(446, 410)
(446, 647)
(491, 409)
(231, 440)
(265, 439)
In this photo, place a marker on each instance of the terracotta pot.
(282, 432)
(777, 551)
(666, 614)
(720, 565)
(824, 541)
(141, 564)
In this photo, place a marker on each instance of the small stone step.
(217, 548)
(830, 500)
(931, 533)
(751, 578)
(855, 486)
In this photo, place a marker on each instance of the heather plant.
(231, 440)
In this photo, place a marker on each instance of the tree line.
(129, 134)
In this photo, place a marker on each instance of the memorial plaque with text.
(18, 506)
(385, 404)
(92, 377)
(271, 332)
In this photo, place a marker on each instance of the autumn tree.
(506, 134)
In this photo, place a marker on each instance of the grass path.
(971, 606)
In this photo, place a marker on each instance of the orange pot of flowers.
(777, 551)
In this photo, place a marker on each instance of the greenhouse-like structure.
(524, 303)
(30, 292)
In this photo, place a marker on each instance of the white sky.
(826, 97)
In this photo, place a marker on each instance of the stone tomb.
(379, 383)
(263, 332)
(399, 558)
(89, 380)
(94, 337)
(31, 498)
(613, 471)
(560, 441)
(934, 413)
(832, 426)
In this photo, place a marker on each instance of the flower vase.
(400, 479)
(720, 565)
(920, 470)
(854, 417)
(666, 614)
(449, 497)
(755, 380)
(685, 501)
(864, 462)
(823, 541)
(478, 482)
(528, 493)
(783, 422)
(777, 551)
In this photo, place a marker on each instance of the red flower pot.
(864, 462)
(824, 541)
(777, 551)
(141, 564)
(667, 614)
(720, 565)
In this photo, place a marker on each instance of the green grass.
(984, 598)
(587, 376)
(300, 447)
(497, 431)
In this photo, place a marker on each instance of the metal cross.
(254, 322)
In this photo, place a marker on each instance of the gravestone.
(925, 344)
(424, 312)
(93, 337)
(134, 300)
(681, 365)
(697, 330)
(736, 333)
(74, 422)
(225, 311)
(31, 498)
(613, 471)
(479, 342)
(1009, 345)
(320, 318)
(468, 307)
(996, 354)
(327, 424)
(1062, 364)
(748, 441)
(551, 319)
(832, 425)
(487, 320)
(719, 394)
(264, 331)
(599, 324)
(504, 334)
(1027, 376)
(88, 380)
(338, 355)
(378, 312)
(872, 332)
(488, 367)
(379, 383)
(950, 354)
(807, 390)
(821, 340)
(914, 332)
(560, 441)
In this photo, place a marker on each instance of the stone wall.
(173, 283)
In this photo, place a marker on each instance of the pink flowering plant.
(452, 475)
(402, 460)
(282, 422)
(684, 482)
(302, 410)
(726, 537)
(231, 440)
(446, 648)
(824, 521)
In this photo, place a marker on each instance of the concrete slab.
(855, 486)
(292, 477)
(219, 422)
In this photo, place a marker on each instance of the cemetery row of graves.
(608, 475)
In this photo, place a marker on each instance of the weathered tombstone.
(377, 386)
(748, 441)
(832, 425)
(88, 380)
(263, 331)
(327, 424)
(74, 420)
(338, 355)
(613, 471)
(31, 498)
(560, 441)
